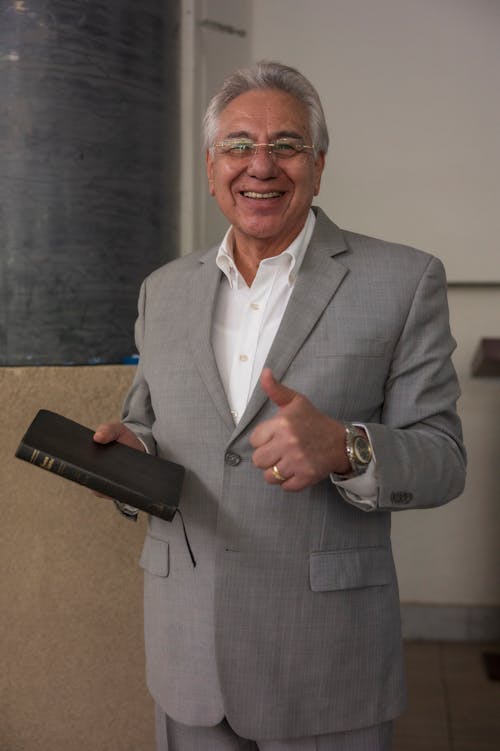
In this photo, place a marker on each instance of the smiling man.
(302, 374)
(264, 192)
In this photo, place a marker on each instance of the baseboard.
(450, 622)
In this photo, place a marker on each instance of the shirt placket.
(243, 376)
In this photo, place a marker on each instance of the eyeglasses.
(245, 149)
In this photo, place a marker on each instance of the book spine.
(90, 480)
(60, 467)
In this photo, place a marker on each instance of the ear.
(209, 161)
(319, 166)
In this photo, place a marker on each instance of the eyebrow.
(275, 136)
(289, 134)
(238, 134)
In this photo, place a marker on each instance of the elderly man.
(302, 375)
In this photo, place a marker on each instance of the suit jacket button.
(232, 459)
(401, 497)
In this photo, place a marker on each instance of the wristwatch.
(358, 449)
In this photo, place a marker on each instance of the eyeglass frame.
(253, 148)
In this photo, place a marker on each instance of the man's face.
(265, 199)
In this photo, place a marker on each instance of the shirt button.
(254, 305)
(232, 459)
(243, 358)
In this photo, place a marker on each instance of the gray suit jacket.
(289, 624)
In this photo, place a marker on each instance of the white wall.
(421, 169)
(411, 92)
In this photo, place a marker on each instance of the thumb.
(278, 393)
(116, 431)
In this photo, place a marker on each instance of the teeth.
(251, 194)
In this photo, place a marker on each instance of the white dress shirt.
(245, 323)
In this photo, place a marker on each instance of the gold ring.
(277, 474)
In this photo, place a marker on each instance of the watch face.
(362, 450)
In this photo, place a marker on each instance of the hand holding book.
(111, 461)
(117, 431)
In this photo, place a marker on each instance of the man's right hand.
(116, 431)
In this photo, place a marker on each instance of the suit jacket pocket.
(155, 556)
(331, 570)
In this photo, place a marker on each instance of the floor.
(453, 705)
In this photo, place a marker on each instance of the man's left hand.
(300, 442)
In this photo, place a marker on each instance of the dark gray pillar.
(89, 172)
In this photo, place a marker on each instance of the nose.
(262, 164)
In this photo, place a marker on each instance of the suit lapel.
(205, 285)
(319, 278)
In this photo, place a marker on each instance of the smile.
(252, 194)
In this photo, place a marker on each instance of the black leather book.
(67, 448)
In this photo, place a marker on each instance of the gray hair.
(268, 75)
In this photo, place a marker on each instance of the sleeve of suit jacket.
(137, 411)
(420, 459)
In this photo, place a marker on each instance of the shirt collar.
(294, 254)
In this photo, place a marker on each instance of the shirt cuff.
(361, 491)
(130, 512)
(143, 443)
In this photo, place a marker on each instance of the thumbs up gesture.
(300, 445)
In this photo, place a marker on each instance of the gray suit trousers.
(173, 736)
